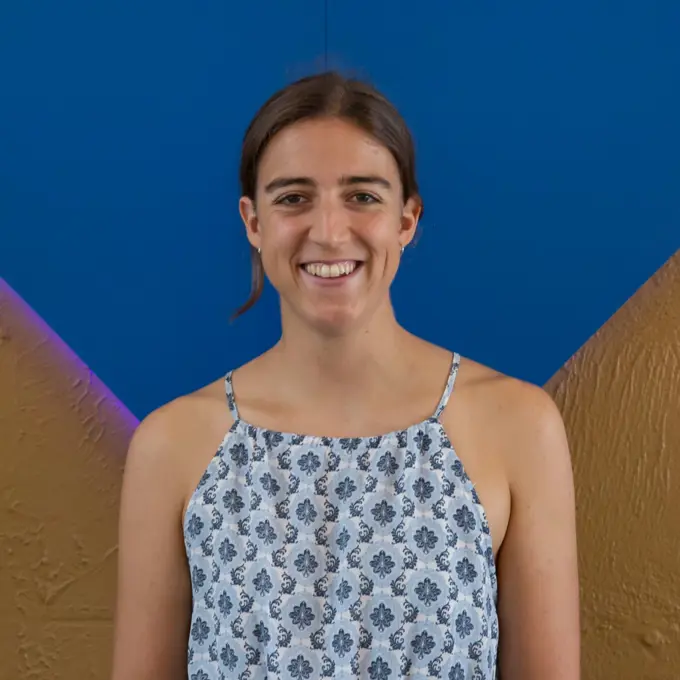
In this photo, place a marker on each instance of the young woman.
(356, 502)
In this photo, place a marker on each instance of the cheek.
(280, 231)
(380, 228)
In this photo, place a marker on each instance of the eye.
(365, 198)
(290, 199)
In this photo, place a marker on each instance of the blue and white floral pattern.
(318, 557)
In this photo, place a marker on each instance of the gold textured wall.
(62, 445)
(620, 398)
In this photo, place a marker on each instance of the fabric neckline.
(307, 437)
(304, 437)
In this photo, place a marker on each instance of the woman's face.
(330, 221)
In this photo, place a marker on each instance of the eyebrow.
(345, 180)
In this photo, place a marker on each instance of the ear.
(246, 207)
(409, 219)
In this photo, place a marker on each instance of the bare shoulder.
(176, 441)
(522, 416)
(178, 421)
(507, 393)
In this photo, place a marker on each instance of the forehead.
(325, 150)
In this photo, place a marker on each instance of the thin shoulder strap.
(455, 363)
(231, 400)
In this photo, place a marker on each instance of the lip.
(336, 261)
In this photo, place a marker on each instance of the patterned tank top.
(326, 557)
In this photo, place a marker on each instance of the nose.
(330, 224)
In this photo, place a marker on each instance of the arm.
(537, 565)
(154, 594)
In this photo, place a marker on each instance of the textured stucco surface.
(620, 397)
(63, 439)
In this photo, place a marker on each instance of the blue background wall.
(549, 161)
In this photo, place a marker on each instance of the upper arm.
(537, 562)
(154, 594)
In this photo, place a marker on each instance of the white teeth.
(330, 271)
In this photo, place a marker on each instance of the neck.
(346, 366)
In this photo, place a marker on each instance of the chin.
(333, 322)
(326, 317)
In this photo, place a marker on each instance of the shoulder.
(538, 447)
(180, 419)
(172, 440)
(521, 417)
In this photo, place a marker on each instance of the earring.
(259, 251)
(402, 250)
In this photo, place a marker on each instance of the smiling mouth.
(334, 270)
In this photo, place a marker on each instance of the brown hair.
(328, 94)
